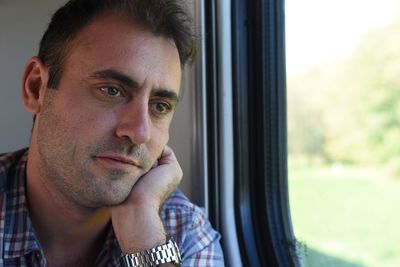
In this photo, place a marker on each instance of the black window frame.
(262, 211)
(260, 134)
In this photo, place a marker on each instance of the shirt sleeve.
(198, 242)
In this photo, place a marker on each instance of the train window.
(343, 99)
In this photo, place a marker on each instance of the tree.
(350, 111)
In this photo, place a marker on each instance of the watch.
(167, 253)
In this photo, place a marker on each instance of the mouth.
(117, 161)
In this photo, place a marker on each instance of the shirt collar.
(18, 236)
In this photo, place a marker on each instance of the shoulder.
(178, 200)
(179, 212)
(188, 224)
(9, 164)
(7, 159)
(10, 158)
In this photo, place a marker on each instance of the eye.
(162, 108)
(111, 91)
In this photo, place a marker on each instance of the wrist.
(138, 230)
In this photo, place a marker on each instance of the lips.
(117, 161)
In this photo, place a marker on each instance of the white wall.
(22, 23)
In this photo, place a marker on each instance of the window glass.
(343, 82)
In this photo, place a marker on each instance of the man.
(97, 186)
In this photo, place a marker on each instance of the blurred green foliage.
(344, 216)
(349, 112)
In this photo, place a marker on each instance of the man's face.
(108, 120)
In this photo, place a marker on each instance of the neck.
(60, 224)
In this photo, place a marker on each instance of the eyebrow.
(131, 83)
(116, 75)
(165, 93)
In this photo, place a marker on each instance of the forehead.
(112, 41)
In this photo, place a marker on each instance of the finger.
(167, 156)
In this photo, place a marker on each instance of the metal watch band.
(167, 253)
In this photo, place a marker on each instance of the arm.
(136, 222)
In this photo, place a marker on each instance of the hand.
(158, 183)
(136, 221)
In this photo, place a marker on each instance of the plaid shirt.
(197, 241)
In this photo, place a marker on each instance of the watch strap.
(166, 253)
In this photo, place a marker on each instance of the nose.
(134, 123)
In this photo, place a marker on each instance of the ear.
(34, 85)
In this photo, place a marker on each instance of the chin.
(104, 198)
(116, 198)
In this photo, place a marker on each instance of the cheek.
(72, 133)
(90, 119)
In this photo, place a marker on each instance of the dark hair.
(167, 18)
